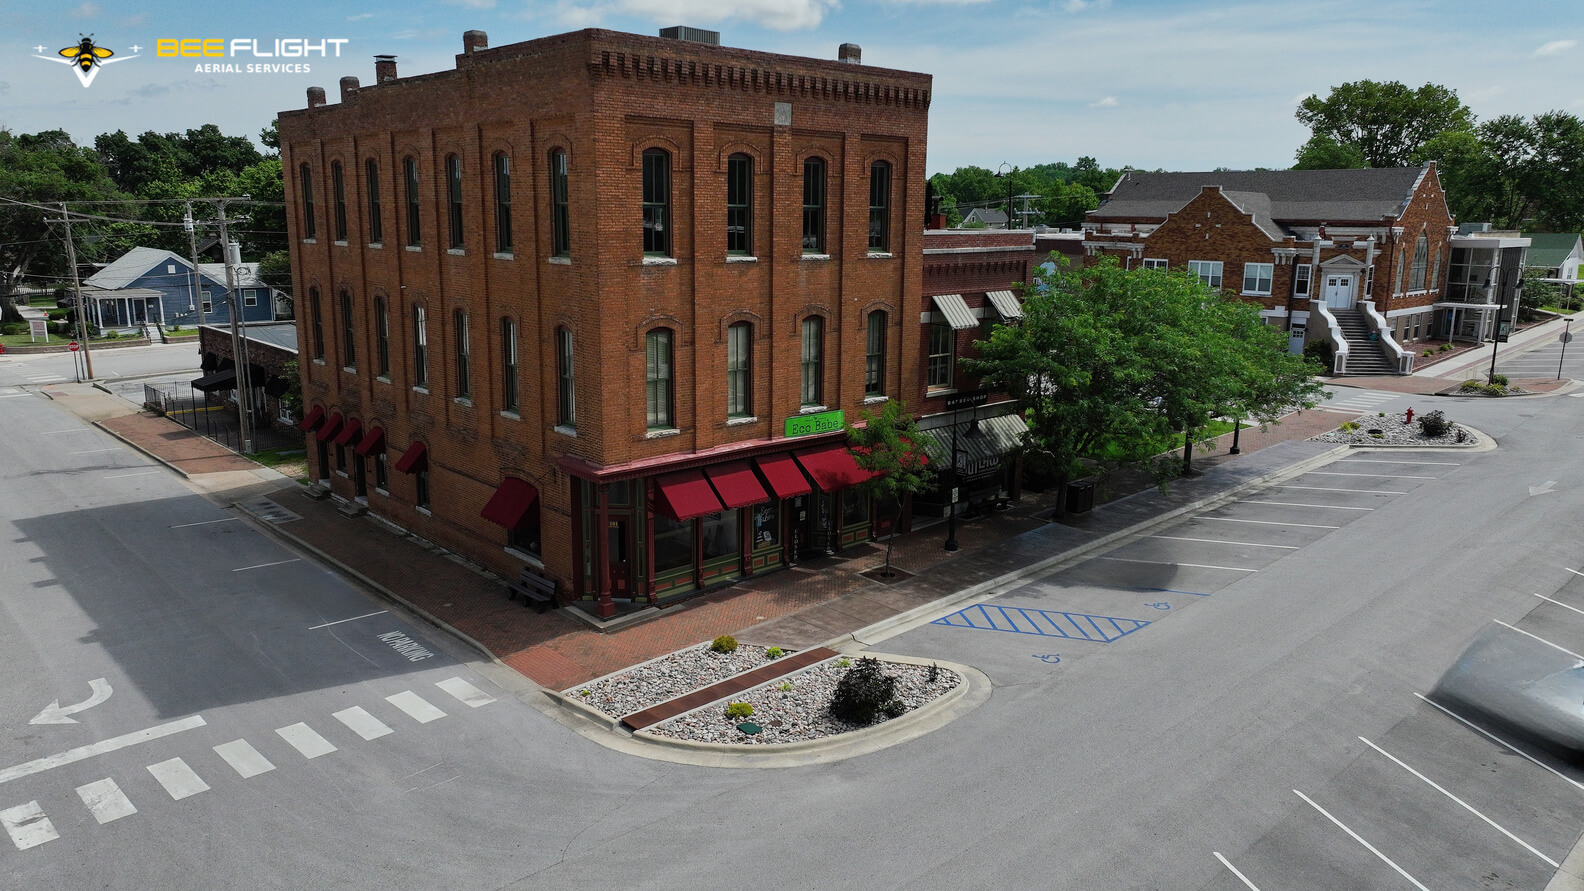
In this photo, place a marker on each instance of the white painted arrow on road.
(55, 713)
(1550, 486)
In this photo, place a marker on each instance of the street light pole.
(951, 494)
(239, 356)
(1565, 338)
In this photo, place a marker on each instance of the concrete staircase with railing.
(1365, 356)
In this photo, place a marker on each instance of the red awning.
(685, 495)
(510, 503)
(736, 484)
(832, 467)
(349, 432)
(782, 473)
(311, 420)
(373, 441)
(414, 460)
(332, 424)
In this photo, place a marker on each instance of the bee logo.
(85, 57)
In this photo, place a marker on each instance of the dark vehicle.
(1525, 683)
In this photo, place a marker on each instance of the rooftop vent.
(693, 35)
(850, 52)
(316, 97)
(384, 69)
(473, 41)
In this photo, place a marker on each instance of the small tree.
(887, 444)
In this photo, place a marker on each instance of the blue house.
(152, 286)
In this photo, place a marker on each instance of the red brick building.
(1354, 257)
(597, 304)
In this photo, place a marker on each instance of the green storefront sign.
(824, 422)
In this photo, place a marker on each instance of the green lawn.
(11, 340)
(291, 462)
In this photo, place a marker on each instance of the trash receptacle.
(1080, 496)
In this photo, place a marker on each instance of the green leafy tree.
(1386, 122)
(40, 168)
(888, 444)
(1325, 153)
(1515, 173)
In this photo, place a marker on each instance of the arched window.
(657, 202)
(420, 332)
(1421, 259)
(376, 224)
(814, 206)
(410, 176)
(739, 205)
(338, 191)
(508, 365)
(464, 383)
(739, 370)
(454, 199)
(560, 224)
(879, 207)
(382, 338)
(316, 314)
(348, 333)
(658, 407)
(566, 392)
(305, 179)
(875, 354)
(812, 362)
(503, 221)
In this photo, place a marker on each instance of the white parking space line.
(1465, 805)
(1349, 491)
(1395, 476)
(1574, 571)
(1384, 461)
(1228, 864)
(465, 692)
(1266, 522)
(122, 476)
(1360, 839)
(27, 825)
(353, 619)
(106, 801)
(1246, 544)
(359, 721)
(1542, 640)
(1175, 563)
(94, 451)
(1496, 739)
(178, 779)
(1561, 604)
(264, 565)
(1301, 504)
(59, 432)
(207, 523)
(415, 706)
(245, 759)
(305, 740)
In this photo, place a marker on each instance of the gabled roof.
(1299, 195)
(1551, 249)
(246, 274)
(133, 265)
(986, 215)
(1258, 205)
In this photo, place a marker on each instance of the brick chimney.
(850, 52)
(384, 69)
(473, 41)
(349, 87)
(316, 97)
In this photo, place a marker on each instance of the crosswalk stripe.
(245, 759)
(27, 825)
(359, 721)
(178, 779)
(415, 706)
(106, 801)
(470, 695)
(305, 740)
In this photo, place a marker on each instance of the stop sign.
(74, 346)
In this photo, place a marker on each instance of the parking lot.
(1438, 800)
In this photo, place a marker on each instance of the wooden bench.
(534, 589)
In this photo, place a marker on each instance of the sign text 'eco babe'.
(823, 422)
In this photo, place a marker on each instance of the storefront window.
(767, 524)
(673, 544)
(720, 535)
(855, 507)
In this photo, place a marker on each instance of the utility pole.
(195, 292)
(244, 387)
(82, 314)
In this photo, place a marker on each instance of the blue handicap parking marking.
(1041, 622)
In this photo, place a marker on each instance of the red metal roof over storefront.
(373, 441)
(736, 484)
(349, 432)
(510, 503)
(832, 467)
(311, 419)
(414, 460)
(331, 425)
(685, 495)
(782, 473)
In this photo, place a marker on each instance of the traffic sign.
(74, 346)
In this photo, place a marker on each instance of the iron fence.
(215, 415)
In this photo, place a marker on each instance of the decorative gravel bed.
(801, 713)
(665, 678)
(1394, 430)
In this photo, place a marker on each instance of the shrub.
(864, 694)
(1499, 379)
(844, 662)
(1380, 414)
(774, 653)
(13, 328)
(111, 334)
(1494, 390)
(1445, 347)
(1470, 386)
(1434, 424)
(1427, 353)
(1348, 426)
(785, 687)
(724, 644)
(738, 710)
(1320, 351)
(934, 672)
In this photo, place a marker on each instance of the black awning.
(276, 386)
(220, 380)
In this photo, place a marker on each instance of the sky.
(1173, 84)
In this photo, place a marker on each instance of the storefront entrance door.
(619, 543)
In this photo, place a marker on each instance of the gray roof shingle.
(1334, 196)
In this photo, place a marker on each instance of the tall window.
(464, 387)
(560, 223)
(813, 361)
(348, 332)
(338, 187)
(814, 206)
(410, 175)
(1257, 277)
(503, 233)
(942, 354)
(1421, 260)
(566, 397)
(420, 347)
(305, 179)
(1402, 261)
(657, 202)
(657, 379)
(1301, 274)
(376, 224)
(1435, 271)
(454, 199)
(1207, 271)
(316, 312)
(739, 370)
(874, 355)
(508, 365)
(879, 207)
(421, 491)
(382, 336)
(739, 205)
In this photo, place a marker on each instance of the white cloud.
(360, 16)
(1082, 5)
(135, 21)
(1107, 102)
(1556, 47)
(86, 11)
(940, 2)
(473, 4)
(777, 15)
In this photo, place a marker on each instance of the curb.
(137, 448)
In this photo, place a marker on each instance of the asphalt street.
(109, 365)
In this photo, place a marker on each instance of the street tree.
(1386, 122)
(1325, 153)
(888, 444)
(39, 169)
(1515, 172)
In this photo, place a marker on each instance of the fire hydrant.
(1408, 419)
